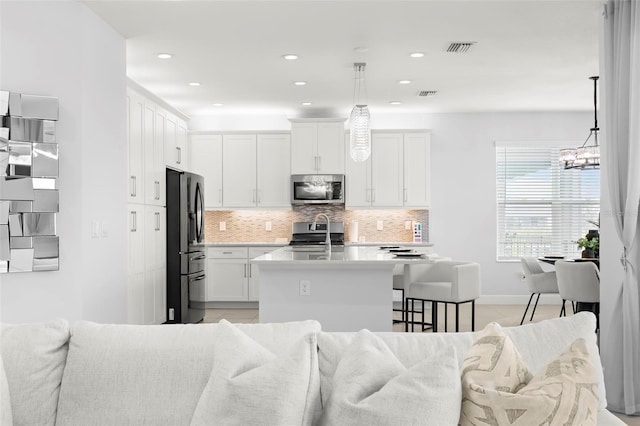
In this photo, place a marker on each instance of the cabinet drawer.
(227, 253)
(259, 251)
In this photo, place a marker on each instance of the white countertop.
(351, 255)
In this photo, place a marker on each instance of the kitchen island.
(348, 291)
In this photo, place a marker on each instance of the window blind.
(542, 208)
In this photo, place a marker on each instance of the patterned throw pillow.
(497, 388)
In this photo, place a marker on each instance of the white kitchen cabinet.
(417, 170)
(273, 171)
(317, 147)
(136, 267)
(396, 175)
(155, 265)
(231, 275)
(175, 142)
(255, 170)
(227, 274)
(154, 172)
(205, 153)
(239, 171)
(135, 126)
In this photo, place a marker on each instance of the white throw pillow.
(372, 387)
(497, 387)
(6, 418)
(34, 357)
(249, 385)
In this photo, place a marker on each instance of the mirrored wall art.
(29, 200)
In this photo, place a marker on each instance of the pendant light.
(360, 135)
(586, 156)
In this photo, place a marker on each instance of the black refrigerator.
(185, 245)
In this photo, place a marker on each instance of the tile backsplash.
(244, 226)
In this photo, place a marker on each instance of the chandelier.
(360, 135)
(586, 156)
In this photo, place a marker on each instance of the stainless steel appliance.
(317, 189)
(185, 250)
(305, 235)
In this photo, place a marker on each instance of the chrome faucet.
(327, 241)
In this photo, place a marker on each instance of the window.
(542, 208)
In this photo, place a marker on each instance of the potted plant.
(591, 247)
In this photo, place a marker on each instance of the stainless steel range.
(306, 235)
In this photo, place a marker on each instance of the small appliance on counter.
(304, 234)
(186, 255)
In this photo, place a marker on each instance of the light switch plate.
(407, 225)
(380, 225)
(305, 288)
(267, 225)
(223, 226)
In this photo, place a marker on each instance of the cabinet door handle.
(179, 155)
(220, 196)
(133, 186)
(227, 252)
(367, 193)
(158, 189)
(373, 195)
(315, 162)
(245, 270)
(157, 221)
(253, 196)
(250, 271)
(405, 195)
(258, 191)
(319, 162)
(134, 228)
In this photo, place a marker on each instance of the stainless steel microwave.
(317, 189)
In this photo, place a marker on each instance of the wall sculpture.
(28, 183)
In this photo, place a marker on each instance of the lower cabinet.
(146, 278)
(231, 276)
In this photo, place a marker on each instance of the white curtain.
(620, 87)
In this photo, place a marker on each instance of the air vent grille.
(460, 47)
(427, 93)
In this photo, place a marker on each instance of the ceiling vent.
(460, 47)
(427, 93)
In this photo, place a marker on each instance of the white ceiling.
(529, 55)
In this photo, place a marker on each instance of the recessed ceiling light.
(194, 83)
(417, 55)
(300, 83)
(290, 56)
(217, 104)
(395, 102)
(165, 55)
(404, 82)
(306, 103)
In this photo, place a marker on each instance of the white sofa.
(93, 374)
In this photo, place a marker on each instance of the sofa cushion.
(6, 418)
(34, 358)
(498, 388)
(250, 385)
(538, 344)
(153, 374)
(371, 387)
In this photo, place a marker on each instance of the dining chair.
(448, 282)
(580, 283)
(538, 281)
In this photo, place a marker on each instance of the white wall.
(462, 221)
(63, 49)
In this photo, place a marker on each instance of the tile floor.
(505, 315)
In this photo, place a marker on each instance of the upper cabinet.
(396, 175)
(317, 147)
(256, 170)
(135, 126)
(154, 175)
(175, 143)
(205, 153)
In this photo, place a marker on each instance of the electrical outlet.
(267, 225)
(95, 229)
(223, 226)
(305, 288)
(104, 232)
(407, 225)
(172, 314)
(380, 225)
